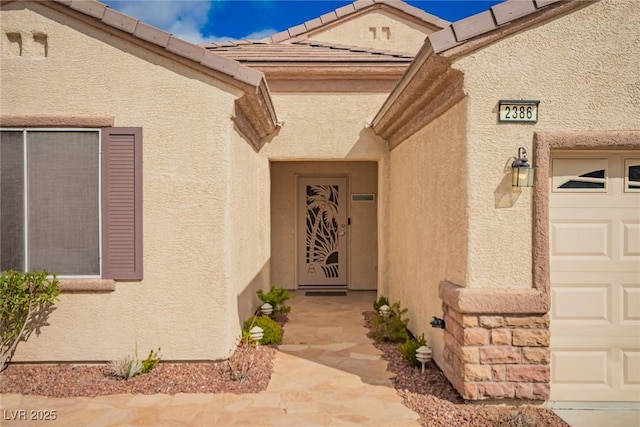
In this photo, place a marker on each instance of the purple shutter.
(122, 203)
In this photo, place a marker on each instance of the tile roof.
(254, 114)
(303, 51)
(163, 39)
(357, 6)
(497, 16)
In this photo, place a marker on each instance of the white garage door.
(595, 276)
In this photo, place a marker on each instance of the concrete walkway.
(326, 373)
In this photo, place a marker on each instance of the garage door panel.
(630, 303)
(631, 371)
(586, 238)
(595, 303)
(631, 240)
(585, 367)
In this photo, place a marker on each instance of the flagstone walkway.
(326, 373)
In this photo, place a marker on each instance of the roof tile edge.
(91, 8)
(461, 31)
(358, 5)
(163, 39)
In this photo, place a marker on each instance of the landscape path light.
(384, 309)
(423, 354)
(266, 309)
(256, 334)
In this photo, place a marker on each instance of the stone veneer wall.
(497, 356)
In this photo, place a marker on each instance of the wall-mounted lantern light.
(522, 170)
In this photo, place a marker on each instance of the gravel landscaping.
(428, 394)
(95, 380)
(439, 404)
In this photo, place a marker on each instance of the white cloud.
(257, 35)
(184, 19)
(262, 34)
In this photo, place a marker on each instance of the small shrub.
(26, 300)
(276, 297)
(392, 327)
(380, 302)
(126, 368)
(272, 331)
(130, 366)
(240, 362)
(151, 361)
(409, 347)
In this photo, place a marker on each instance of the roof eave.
(506, 18)
(255, 117)
(416, 101)
(256, 100)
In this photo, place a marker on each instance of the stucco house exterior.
(166, 182)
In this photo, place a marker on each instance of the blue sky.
(203, 21)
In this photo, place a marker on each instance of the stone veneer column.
(497, 356)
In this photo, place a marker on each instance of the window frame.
(630, 162)
(557, 183)
(25, 210)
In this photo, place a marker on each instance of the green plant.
(276, 297)
(272, 331)
(127, 367)
(409, 347)
(130, 366)
(151, 361)
(26, 300)
(391, 327)
(380, 302)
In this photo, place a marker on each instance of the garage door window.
(632, 179)
(580, 175)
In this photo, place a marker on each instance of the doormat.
(325, 294)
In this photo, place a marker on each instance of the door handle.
(341, 233)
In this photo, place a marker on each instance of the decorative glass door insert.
(322, 231)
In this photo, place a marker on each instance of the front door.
(322, 231)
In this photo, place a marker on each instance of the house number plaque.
(518, 111)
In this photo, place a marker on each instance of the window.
(65, 209)
(598, 182)
(50, 201)
(580, 175)
(632, 178)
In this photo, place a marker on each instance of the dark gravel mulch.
(65, 380)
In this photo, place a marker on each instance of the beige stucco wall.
(328, 127)
(183, 303)
(428, 219)
(249, 229)
(402, 35)
(362, 243)
(584, 71)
